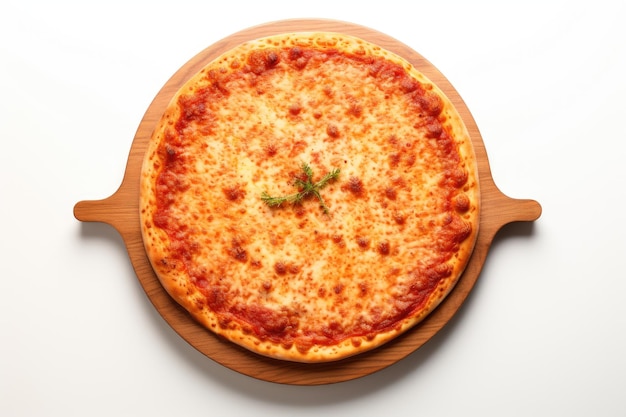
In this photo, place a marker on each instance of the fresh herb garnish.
(307, 189)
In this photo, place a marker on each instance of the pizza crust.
(292, 282)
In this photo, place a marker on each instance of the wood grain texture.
(121, 211)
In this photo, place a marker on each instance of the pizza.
(309, 196)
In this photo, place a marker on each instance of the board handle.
(499, 210)
(94, 210)
(115, 210)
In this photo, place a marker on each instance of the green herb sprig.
(307, 189)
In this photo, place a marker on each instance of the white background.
(543, 333)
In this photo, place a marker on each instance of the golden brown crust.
(292, 282)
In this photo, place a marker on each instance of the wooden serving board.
(121, 210)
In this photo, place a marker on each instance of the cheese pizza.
(309, 196)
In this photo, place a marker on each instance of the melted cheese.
(402, 214)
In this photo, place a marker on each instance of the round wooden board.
(121, 210)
